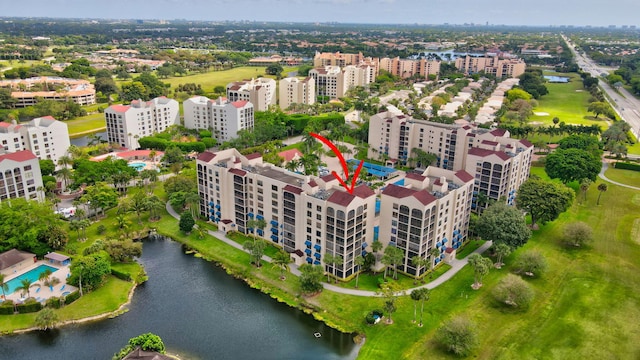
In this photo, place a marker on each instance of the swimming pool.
(33, 275)
(138, 165)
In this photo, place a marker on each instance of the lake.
(199, 311)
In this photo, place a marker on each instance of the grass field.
(624, 176)
(567, 101)
(86, 124)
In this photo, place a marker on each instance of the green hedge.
(121, 275)
(6, 309)
(626, 166)
(71, 297)
(53, 302)
(29, 307)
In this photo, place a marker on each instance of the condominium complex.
(339, 59)
(406, 68)
(29, 91)
(430, 210)
(261, 92)
(498, 163)
(333, 81)
(46, 137)
(308, 217)
(127, 123)
(223, 117)
(491, 65)
(297, 91)
(20, 176)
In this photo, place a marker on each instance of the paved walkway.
(456, 264)
(605, 166)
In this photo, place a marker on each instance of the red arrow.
(345, 168)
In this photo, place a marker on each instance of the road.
(624, 103)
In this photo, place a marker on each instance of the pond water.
(84, 140)
(199, 311)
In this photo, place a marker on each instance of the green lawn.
(371, 281)
(468, 248)
(628, 177)
(567, 101)
(86, 124)
(212, 79)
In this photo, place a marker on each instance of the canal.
(199, 311)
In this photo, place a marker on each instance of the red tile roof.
(238, 172)
(292, 189)
(498, 132)
(363, 191)
(485, 153)
(400, 192)
(489, 142)
(18, 156)
(415, 176)
(240, 103)
(290, 154)
(120, 108)
(526, 143)
(226, 221)
(206, 156)
(464, 176)
(312, 183)
(341, 198)
(328, 178)
(253, 156)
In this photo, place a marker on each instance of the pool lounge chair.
(63, 286)
(37, 290)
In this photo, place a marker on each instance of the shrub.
(53, 302)
(458, 335)
(626, 166)
(30, 306)
(7, 308)
(101, 229)
(513, 291)
(121, 274)
(71, 297)
(531, 263)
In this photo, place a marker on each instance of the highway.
(624, 103)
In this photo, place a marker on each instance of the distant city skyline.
(496, 12)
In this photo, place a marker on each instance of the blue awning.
(218, 213)
(211, 218)
(211, 203)
(260, 232)
(316, 262)
(364, 245)
(217, 206)
(308, 251)
(317, 247)
(317, 255)
(250, 214)
(259, 217)
(212, 210)
(274, 230)
(308, 243)
(274, 237)
(309, 260)
(364, 253)
(274, 223)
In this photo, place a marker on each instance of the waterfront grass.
(86, 125)
(211, 79)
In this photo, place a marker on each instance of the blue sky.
(510, 12)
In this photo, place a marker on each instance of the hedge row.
(29, 307)
(71, 297)
(626, 166)
(121, 275)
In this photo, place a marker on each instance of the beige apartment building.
(307, 216)
(29, 91)
(223, 117)
(46, 137)
(297, 91)
(504, 162)
(430, 210)
(491, 65)
(127, 123)
(334, 82)
(406, 68)
(261, 92)
(20, 176)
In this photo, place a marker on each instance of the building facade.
(20, 176)
(393, 136)
(491, 65)
(429, 211)
(308, 217)
(223, 117)
(329, 81)
(261, 92)
(29, 91)
(46, 137)
(127, 123)
(297, 91)
(406, 68)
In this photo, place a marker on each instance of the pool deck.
(45, 292)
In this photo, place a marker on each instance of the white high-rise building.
(20, 176)
(297, 91)
(46, 137)
(261, 92)
(223, 117)
(329, 81)
(127, 123)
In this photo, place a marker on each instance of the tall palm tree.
(584, 187)
(281, 261)
(3, 286)
(155, 206)
(359, 261)
(416, 294)
(328, 260)
(602, 187)
(292, 165)
(424, 296)
(75, 225)
(192, 200)
(65, 174)
(337, 261)
(26, 285)
(433, 253)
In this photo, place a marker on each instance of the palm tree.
(292, 165)
(281, 261)
(44, 277)
(155, 206)
(376, 246)
(75, 225)
(328, 260)
(434, 253)
(3, 286)
(359, 261)
(397, 255)
(192, 200)
(584, 187)
(337, 261)
(417, 262)
(84, 224)
(416, 295)
(65, 174)
(602, 187)
(425, 294)
(26, 285)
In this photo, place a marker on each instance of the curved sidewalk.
(605, 166)
(456, 264)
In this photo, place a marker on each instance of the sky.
(495, 12)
